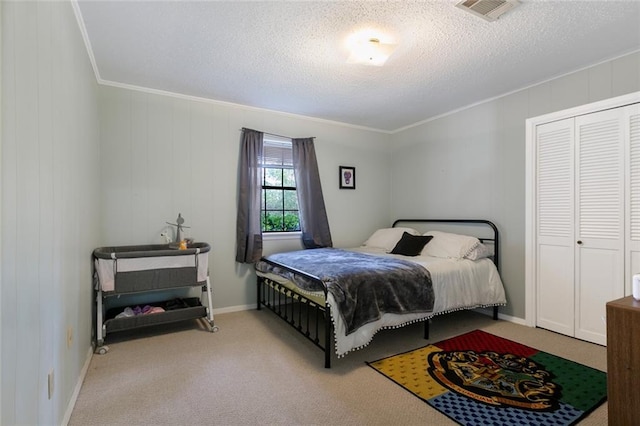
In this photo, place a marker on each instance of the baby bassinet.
(150, 268)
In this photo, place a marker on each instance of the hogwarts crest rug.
(481, 379)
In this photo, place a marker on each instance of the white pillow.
(480, 252)
(452, 246)
(387, 238)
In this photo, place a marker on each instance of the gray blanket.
(364, 286)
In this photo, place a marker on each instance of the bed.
(447, 272)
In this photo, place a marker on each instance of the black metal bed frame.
(313, 320)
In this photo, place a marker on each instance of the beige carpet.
(257, 370)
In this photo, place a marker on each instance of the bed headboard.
(484, 230)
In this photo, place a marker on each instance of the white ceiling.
(289, 55)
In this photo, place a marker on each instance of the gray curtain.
(248, 229)
(313, 215)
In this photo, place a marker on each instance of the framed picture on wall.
(347, 177)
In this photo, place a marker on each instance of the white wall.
(50, 217)
(471, 164)
(163, 155)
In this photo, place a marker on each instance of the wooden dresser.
(623, 361)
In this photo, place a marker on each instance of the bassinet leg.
(495, 312)
(426, 330)
(100, 330)
(214, 327)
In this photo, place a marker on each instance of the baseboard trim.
(237, 308)
(76, 391)
(509, 318)
(514, 320)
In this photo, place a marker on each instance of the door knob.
(579, 242)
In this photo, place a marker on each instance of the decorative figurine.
(179, 227)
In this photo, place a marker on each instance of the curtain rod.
(272, 134)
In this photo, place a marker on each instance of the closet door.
(599, 233)
(632, 130)
(555, 226)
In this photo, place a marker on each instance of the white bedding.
(457, 284)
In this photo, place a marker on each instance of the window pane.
(274, 199)
(289, 178)
(279, 207)
(273, 222)
(291, 221)
(290, 200)
(273, 177)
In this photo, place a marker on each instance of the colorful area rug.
(481, 379)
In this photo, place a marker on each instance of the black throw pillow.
(411, 245)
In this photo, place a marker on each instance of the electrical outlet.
(50, 384)
(69, 336)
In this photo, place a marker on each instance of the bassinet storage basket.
(150, 269)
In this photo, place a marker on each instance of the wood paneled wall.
(50, 214)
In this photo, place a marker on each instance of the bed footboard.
(309, 318)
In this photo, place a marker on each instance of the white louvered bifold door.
(600, 206)
(555, 226)
(632, 133)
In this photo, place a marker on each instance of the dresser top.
(625, 303)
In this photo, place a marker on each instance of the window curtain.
(248, 229)
(313, 215)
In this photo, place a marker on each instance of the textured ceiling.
(290, 56)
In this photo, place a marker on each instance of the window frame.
(277, 142)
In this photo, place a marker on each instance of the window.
(279, 200)
(261, 203)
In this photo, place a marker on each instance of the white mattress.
(457, 284)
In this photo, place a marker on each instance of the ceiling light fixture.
(370, 51)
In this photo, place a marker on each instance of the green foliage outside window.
(279, 222)
(279, 201)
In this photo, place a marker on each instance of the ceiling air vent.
(488, 9)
